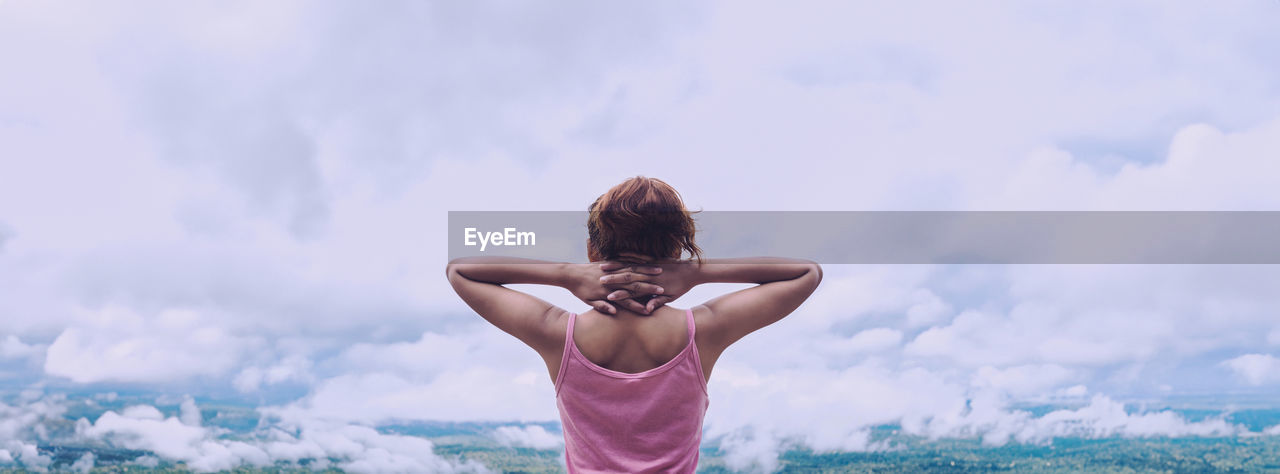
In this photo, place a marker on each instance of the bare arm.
(479, 281)
(782, 285)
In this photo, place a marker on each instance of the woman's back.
(647, 420)
(631, 388)
(631, 342)
(631, 382)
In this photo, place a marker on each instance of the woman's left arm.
(479, 280)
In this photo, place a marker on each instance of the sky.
(247, 199)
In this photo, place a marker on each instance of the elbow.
(451, 274)
(814, 275)
(451, 269)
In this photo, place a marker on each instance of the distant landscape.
(473, 443)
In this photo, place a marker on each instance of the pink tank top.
(614, 421)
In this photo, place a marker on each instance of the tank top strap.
(568, 330)
(568, 346)
(689, 312)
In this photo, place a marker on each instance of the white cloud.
(1073, 391)
(13, 348)
(470, 393)
(263, 215)
(1024, 380)
(748, 450)
(142, 412)
(28, 454)
(363, 449)
(106, 396)
(84, 464)
(759, 415)
(291, 368)
(6, 233)
(926, 309)
(870, 340)
(532, 436)
(756, 413)
(189, 413)
(206, 449)
(1106, 417)
(1099, 316)
(23, 424)
(146, 461)
(119, 344)
(874, 291)
(431, 353)
(1255, 369)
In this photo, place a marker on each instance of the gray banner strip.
(910, 237)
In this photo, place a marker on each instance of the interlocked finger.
(611, 267)
(629, 290)
(621, 278)
(655, 303)
(604, 307)
(633, 305)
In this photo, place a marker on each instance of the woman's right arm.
(782, 285)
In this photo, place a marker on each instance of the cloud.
(26, 454)
(431, 353)
(6, 233)
(1025, 380)
(23, 424)
(1255, 369)
(1099, 317)
(1104, 417)
(448, 82)
(292, 368)
(84, 464)
(871, 340)
(1202, 170)
(757, 414)
(761, 415)
(752, 451)
(267, 182)
(532, 436)
(877, 291)
(146, 461)
(189, 413)
(144, 427)
(477, 393)
(370, 451)
(205, 449)
(122, 345)
(13, 348)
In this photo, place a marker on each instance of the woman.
(631, 374)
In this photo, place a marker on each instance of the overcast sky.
(249, 198)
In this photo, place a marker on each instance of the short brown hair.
(641, 215)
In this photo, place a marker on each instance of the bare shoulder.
(708, 338)
(555, 326)
(701, 315)
(709, 330)
(557, 322)
(556, 330)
